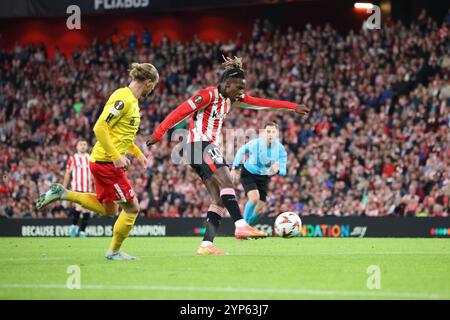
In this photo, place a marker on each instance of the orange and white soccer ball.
(288, 225)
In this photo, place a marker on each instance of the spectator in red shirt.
(388, 168)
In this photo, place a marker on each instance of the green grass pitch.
(273, 268)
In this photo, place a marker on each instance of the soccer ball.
(288, 225)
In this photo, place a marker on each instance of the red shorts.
(111, 184)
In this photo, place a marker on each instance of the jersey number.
(109, 117)
(216, 155)
(132, 122)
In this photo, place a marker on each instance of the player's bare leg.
(122, 228)
(215, 212)
(227, 194)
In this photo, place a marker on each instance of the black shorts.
(205, 157)
(252, 181)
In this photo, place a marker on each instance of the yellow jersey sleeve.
(115, 108)
(117, 126)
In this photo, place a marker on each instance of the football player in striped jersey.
(207, 110)
(79, 173)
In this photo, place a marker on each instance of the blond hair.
(143, 71)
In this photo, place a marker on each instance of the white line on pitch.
(43, 258)
(234, 290)
(348, 254)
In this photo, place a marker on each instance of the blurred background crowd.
(376, 143)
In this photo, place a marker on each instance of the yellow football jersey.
(121, 113)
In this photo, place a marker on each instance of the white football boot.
(55, 193)
(119, 256)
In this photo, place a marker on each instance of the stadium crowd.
(376, 143)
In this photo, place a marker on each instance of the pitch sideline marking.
(233, 290)
(246, 255)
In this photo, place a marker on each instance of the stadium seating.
(376, 142)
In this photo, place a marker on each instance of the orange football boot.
(210, 250)
(248, 232)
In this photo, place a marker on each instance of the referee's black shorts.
(252, 181)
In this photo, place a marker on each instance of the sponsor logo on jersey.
(219, 116)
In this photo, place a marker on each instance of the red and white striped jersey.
(208, 109)
(81, 174)
(206, 123)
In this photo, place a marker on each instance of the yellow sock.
(122, 228)
(87, 200)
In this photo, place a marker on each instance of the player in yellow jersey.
(115, 130)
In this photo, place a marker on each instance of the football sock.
(240, 223)
(122, 228)
(249, 211)
(84, 221)
(205, 244)
(87, 200)
(212, 224)
(228, 196)
(254, 218)
(76, 217)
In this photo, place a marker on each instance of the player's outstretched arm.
(249, 102)
(175, 117)
(198, 101)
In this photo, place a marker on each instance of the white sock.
(240, 223)
(110, 252)
(206, 244)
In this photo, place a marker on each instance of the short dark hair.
(79, 141)
(271, 124)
